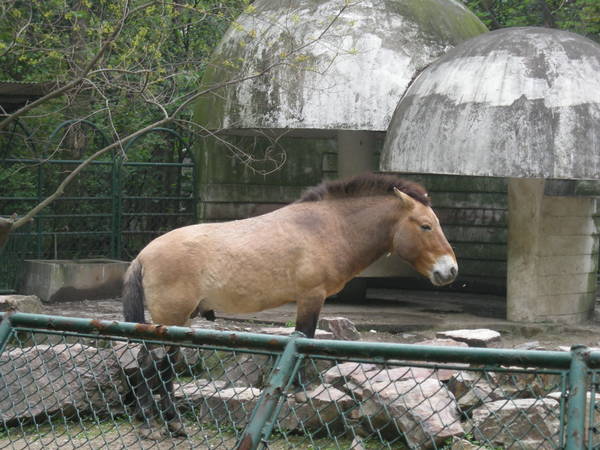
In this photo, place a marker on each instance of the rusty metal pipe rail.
(342, 349)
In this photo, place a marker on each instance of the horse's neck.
(367, 226)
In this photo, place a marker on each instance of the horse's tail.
(133, 294)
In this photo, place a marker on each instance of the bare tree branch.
(76, 81)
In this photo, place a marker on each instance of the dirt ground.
(391, 315)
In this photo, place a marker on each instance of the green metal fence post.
(267, 404)
(5, 331)
(577, 398)
(117, 210)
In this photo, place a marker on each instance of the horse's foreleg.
(307, 316)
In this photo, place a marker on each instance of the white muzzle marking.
(444, 271)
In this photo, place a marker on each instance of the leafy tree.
(579, 16)
(126, 65)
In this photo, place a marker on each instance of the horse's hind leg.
(144, 384)
(171, 415)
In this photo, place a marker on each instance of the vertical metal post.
(592, 411)
(117, 212)
(37, 220)
(577, 393)
(5, 330)
(267, 404)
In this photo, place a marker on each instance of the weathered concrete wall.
(68, 280)
(553, 255)
(229, 189)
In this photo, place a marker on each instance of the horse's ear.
(407, 202)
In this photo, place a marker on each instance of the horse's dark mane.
(363, 186)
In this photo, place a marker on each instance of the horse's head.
(419, 239)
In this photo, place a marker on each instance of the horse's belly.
(232, 304)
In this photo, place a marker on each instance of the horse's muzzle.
(444, 271)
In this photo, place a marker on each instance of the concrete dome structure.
(332, 67)
(517, 102)
(522, 103)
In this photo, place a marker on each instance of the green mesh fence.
(78, 383)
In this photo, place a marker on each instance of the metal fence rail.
(80, 383)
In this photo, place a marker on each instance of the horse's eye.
(426, 227)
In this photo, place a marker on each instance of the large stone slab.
(341, 327)
(211, 403)
(322, 408)
(248, 370)
(521, 384)
(40, 381)
(339, 374)
(472, 389)
(526, 423)
(481, 337)
(424, 412)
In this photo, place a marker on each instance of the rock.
(423, 412)
(126, 354)
(471, 389)
(526, 423)
(323, 408)
(532, 345)
(248, 370)
(357, 444)
(390, 375)
(462, 444)
(341, 327)
(196, 390)
(358, 380)
(69, 379)
(481, 337)
(519, 384)
(440, 342)
(21, 303)
(211, 404)
(339, 374)
(287, 331)
(441, 373)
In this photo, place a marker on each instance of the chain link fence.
(79, 383)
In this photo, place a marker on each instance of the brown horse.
(302, 253)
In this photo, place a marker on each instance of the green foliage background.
(578, 16)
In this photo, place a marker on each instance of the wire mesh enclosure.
(80, 383)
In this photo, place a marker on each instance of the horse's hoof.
(176, 429)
